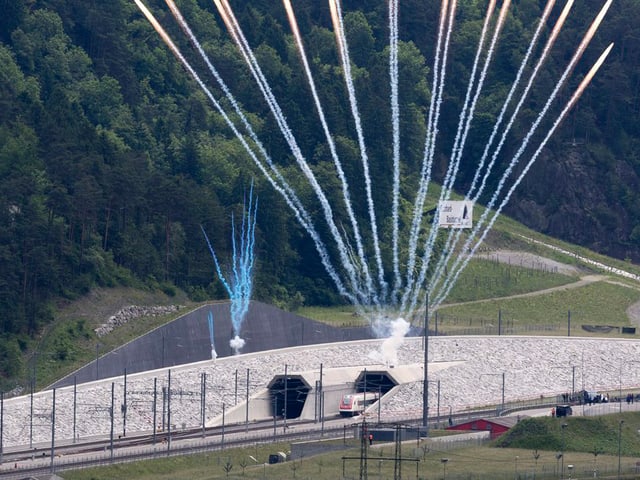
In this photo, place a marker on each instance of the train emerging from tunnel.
(356, 403)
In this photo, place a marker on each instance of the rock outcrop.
(133, 312)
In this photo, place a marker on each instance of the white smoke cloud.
(388, 353)
(236, 343)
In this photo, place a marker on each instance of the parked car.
(563, 411)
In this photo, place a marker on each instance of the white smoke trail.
(363, 266)
(412, 292)
(543, 57)
(574, 60)
(437, 90)
(466, 115)
(466, 112)
(395, 127)
(359, 289)
(239, 38)
(464, 123)
(460, 262)
(452, 243)
(301, 215)
(343, 49)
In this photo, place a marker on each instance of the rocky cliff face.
(572, 195)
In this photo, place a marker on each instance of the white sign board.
(456, 214)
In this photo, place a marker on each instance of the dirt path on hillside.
(530, 260)
(586, 280)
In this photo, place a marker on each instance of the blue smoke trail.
(240, 285)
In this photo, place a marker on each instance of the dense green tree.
(112, 158)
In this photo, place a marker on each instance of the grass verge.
(530, 450)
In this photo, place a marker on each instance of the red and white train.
(356, 403)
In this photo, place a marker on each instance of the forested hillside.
(111, 158)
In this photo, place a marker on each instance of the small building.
(495, 426)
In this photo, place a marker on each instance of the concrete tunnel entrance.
(288, 395)
(374, 381)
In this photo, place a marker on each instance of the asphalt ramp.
(187, 339)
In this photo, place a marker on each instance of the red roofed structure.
(496, 426)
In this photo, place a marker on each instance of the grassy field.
(480, 463)
(507, 233)
(530, 449)
(599, 303)
(484, 279)
(481, 280)
(70, 342)
(488, 291)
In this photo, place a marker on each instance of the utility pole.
(203, 401)
(1, 424)
(53, 428)
(364, 438)
(425, 383)
(246, 407)
(33, 386)
(75, 393)
(111, 414)
(284, 410)
(397, 464)
(124, 406)
(169, 411)
(155, 408)
(275, 412)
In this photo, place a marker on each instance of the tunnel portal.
(288, 395)
(374, 381)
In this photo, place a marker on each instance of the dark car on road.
(563, 411)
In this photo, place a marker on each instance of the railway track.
(29, 463)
